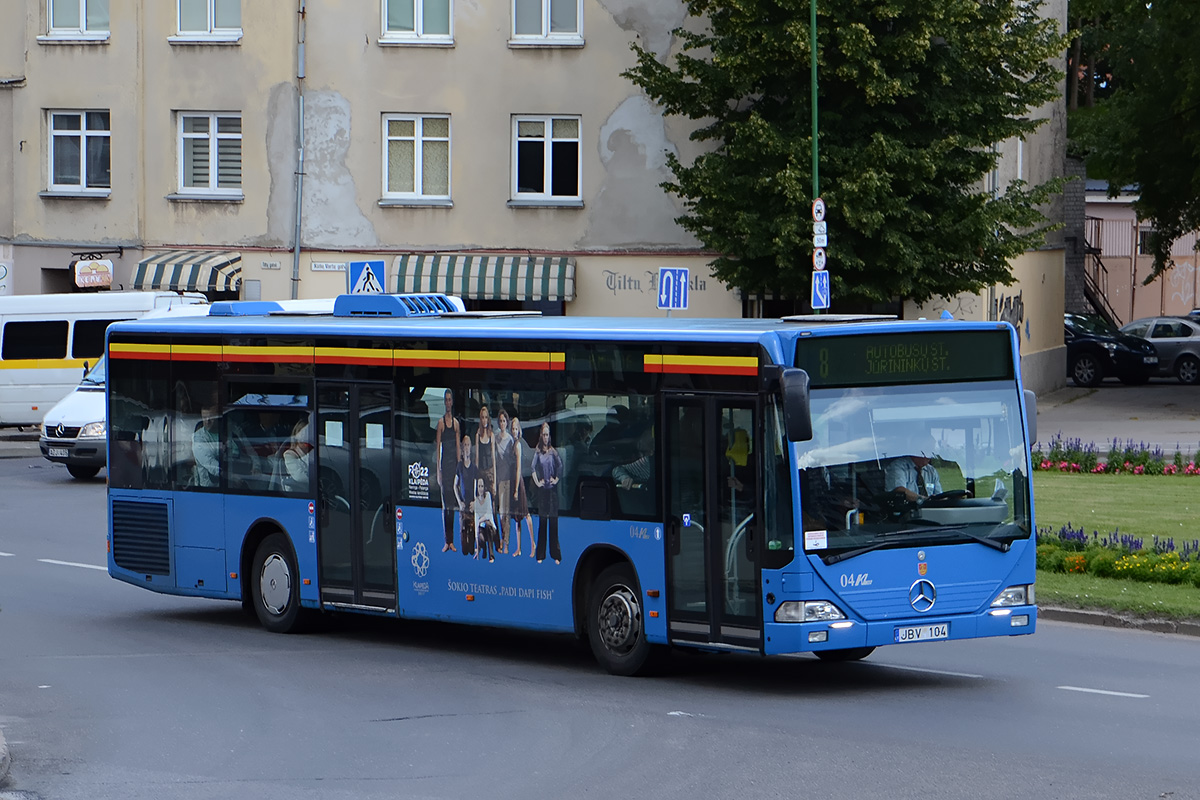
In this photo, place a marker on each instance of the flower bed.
(1117, 555)
(1123, 457)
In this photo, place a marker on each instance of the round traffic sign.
(819, 258)
(818, 210)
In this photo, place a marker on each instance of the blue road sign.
(366, 277)
(820, 290)
(672, 287)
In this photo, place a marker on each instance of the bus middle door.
(712, 520)
(356, 539)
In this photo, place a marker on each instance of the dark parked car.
(1096, 350)
(1177, 340)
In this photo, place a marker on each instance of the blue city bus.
(821, 484)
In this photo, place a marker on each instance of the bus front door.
(712, 530)
(356, 545)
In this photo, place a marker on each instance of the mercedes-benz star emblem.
(60, 430)
(922, 595)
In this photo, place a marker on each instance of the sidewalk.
(1162, 414)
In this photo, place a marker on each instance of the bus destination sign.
(873, 359)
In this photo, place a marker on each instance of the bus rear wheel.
(275, 585)
(616, 627)
(849, 654)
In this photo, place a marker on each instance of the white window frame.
(546, 38)
(545, 198)
(77, 33)
(418, 36)
(82, 188)
(213, 35)
(212, 191)
(418, 195)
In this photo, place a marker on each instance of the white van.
(47, 340)
(74, 432)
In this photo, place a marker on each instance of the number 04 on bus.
(811, 484)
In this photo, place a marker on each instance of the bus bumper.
(810, 637)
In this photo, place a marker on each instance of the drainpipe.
(300, 25)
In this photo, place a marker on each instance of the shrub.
(1050, 558)
(1103, 563)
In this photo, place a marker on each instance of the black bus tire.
(616, 623)
(849, 654)
(275, 585)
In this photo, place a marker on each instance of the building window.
(78, 18)
(546, 163)
(416, 157)
(80, 156)
(210, 154)
(219, 20)
(1143, 247)
(548, 21)
(417, 20)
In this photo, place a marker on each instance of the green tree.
(914, 96)
(1144, 126)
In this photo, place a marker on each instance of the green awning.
(190, 271)
(485, 277)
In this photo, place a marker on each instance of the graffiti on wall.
(1010, 309)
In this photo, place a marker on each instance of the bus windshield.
(908, 465)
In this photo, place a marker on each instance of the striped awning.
(485, 277)
(190, 270)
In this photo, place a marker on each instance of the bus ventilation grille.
(141, 537)
(394, 305)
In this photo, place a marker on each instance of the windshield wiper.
(1003, 547)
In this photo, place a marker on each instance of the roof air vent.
(396, 305)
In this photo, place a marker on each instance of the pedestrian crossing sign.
(366, 277)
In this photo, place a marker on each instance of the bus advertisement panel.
(753, 485)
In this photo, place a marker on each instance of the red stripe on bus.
(697, 369)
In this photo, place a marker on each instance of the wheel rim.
(1085, 369)
(1188, 371)
(275, 584)
(620, 620)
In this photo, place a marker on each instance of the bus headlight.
(93, 430)
(809, 611)
(1015, 596)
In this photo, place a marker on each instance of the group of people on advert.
(479, 475)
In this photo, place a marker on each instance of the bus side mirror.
(1031, 415)
(797, 416)
(85, 369)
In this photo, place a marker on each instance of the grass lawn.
(1139, 505)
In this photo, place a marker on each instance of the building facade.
(490, 149)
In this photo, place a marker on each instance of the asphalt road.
(1162, 414)
(108, 691)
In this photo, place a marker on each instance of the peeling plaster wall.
(332, 217)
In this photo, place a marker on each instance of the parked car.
(1096, 350)
(1177, 340)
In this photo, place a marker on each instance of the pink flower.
(1046, 463)
(1139, 469)
(1062, 465)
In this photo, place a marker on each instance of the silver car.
(1177, 340)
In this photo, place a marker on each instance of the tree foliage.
(914, 96)
(1144, 126)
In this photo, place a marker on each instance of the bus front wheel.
(849, 654)
(616, 627)
(274, 585)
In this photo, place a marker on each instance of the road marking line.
(6, 555)
(1102, 691)
(71, 564)
(931, 671)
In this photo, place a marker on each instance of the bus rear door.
(356, 542)
(712, 512)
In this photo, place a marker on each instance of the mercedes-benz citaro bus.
(820, 484)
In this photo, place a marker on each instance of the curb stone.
(1110, 620)
(5, 759)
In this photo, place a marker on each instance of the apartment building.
(489, 148)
